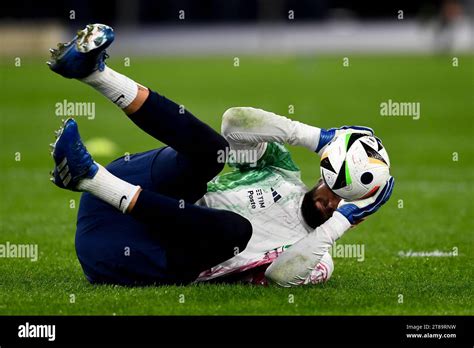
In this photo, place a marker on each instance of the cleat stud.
(49, 63)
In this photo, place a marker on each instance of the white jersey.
(270, 197)
(269, 194)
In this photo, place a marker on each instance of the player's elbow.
(274, 278)
(275, 275)
(279, 273)
(232, 119)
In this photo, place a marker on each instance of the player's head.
(319, 204)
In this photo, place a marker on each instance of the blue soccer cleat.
(73, 161)
(84, 54)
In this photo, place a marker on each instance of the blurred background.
(325, 63)
(246, 26)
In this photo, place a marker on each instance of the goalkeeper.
(163, 217)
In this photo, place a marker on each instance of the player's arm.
(247, 128)
(295, 264)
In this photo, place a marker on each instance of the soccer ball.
(355, 166)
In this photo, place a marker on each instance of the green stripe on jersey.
(276, 155)
(238, 178)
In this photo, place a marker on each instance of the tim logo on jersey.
(259, 199)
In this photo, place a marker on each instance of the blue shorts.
(115, 247)
(159, 241)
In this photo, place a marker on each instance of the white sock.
(116, 87)
(109, 188)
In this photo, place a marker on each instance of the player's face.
(325, 200)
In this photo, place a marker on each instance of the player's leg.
(196, 145)
(180, 228)
(183, 169)
(158, 240)
(196, 238)
(116, 248)
(160, 117)
(195, 164)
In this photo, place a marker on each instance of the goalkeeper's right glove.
(356, 211)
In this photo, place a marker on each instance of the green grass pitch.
(435, 191)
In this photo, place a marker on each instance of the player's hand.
(327, 135)
(356, 211)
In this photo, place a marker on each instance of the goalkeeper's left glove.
(327, 135)
(356, 211)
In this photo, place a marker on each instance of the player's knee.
(245, 233)
(214, 155)
(242, 231)
(221, 149)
